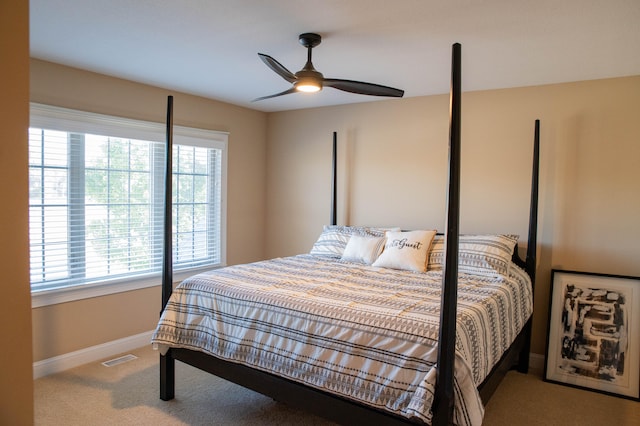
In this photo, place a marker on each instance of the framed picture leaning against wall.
(593, 338)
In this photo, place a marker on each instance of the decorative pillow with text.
(406, 250)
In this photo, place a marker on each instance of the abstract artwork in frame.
(593, 339)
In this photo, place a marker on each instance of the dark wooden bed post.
(533, 213)
(443, 398)
(530, 260)
(334, 177)
(167, 363)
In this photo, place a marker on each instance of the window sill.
(70, 294)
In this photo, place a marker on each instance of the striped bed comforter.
(367, 334)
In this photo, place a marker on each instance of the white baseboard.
(91, 354)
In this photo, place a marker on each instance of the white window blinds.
(96, 198)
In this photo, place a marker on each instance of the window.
(96, 189)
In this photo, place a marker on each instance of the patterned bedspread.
(368, 334)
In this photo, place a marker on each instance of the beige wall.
(16, 385)
(393, 168)
(63, 328)
(392, 171)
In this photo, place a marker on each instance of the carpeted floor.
(127, 394)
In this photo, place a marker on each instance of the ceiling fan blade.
(362, 88)
(286, 92)
(278, 68)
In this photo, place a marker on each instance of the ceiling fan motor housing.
(309, 39)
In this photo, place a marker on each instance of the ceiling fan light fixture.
(308, 85)
(309, 80)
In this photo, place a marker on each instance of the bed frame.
(334, 407)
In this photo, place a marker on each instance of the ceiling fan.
(308, 79)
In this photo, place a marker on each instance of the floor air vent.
(119, 360)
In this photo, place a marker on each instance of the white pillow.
(363, 249)
(334, 238)
(406, 250)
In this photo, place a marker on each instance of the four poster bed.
(363, 330)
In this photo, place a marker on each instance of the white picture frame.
(593, 338)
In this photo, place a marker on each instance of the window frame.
(69, 120)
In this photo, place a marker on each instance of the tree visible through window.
(96, 207)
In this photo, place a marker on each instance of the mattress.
(367, 334)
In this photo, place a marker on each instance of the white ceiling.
(209, 47)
